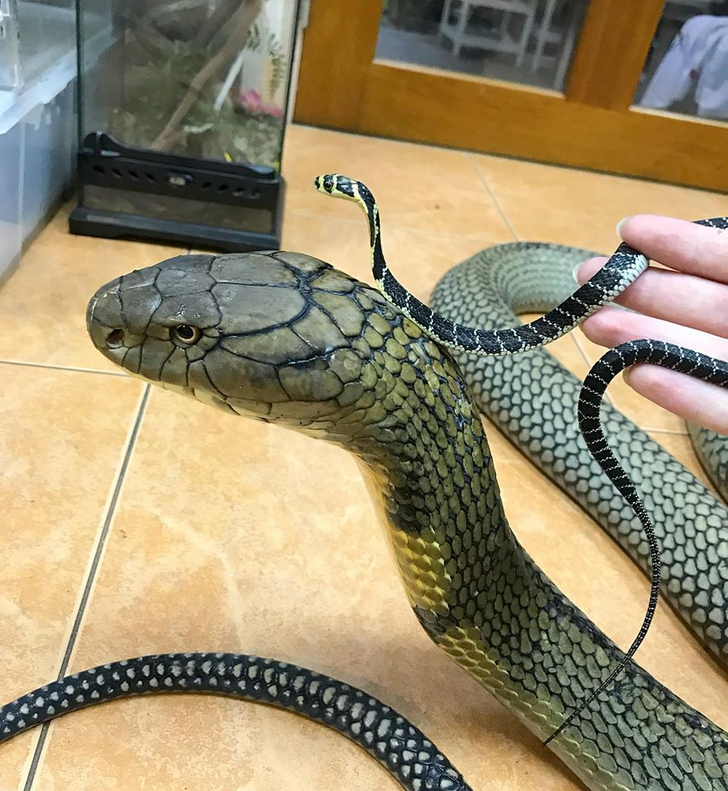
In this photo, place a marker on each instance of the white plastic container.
(11, 234)
(37, 117)
(37, 162)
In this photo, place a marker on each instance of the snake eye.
(184, 333)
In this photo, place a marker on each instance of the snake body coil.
(533, 400)
(403, 749)
(287, 339)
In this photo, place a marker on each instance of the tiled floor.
(136, 522)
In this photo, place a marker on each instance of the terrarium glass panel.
(198, 78)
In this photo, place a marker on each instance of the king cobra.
(287, 339)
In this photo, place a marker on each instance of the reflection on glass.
(35, 38)
(205, 79)
(9, 48)
(525, 41)
(687, 67)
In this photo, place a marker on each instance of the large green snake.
(287, 339)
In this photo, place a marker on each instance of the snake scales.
(287, 339)
(532, 399)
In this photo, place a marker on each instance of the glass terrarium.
(181, 120)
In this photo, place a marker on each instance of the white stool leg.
(566, 50)
(526, 35)
(542, 35)
(444, 20)
(505, 21)
(460, 30)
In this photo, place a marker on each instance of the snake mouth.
(104, 320)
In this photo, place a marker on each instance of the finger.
(662, 293)
(679, 244)
(691, 399)
(588, 268)
(611, 326)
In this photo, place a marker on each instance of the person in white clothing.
(697, 59)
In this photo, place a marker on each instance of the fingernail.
(620, 225)
(575, 271)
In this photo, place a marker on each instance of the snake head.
(325, 183)
(277, 336)
(343, 187)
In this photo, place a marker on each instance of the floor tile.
(581, 208)
(419, 258)
(233, 535)
(57, 475)
(43, 303)
(432, 189)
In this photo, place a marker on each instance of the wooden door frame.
(591, 125)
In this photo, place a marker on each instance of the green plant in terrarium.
(269, 44)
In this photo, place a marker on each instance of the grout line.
(582, 350)
(93, 570)
(485, 237)
(672, 431)
(52, 367)
(492, 195)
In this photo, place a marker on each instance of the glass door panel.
(529, 42)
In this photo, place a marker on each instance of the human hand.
(686, 304)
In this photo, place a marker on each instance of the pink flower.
(253, 103)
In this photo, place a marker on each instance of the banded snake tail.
(328, 356)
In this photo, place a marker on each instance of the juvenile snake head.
(278, 336)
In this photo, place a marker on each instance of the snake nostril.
(115, 338)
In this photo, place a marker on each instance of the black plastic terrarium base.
(118, 225)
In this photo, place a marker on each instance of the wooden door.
(592, 123)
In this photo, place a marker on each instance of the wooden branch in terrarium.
(220, 18)
(240, 29)
(156, 43)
